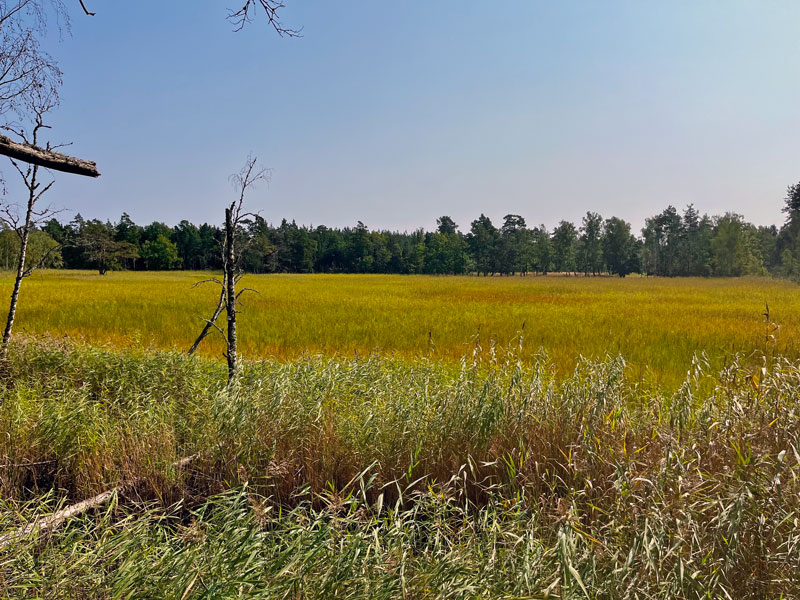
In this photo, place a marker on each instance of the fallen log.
(47, 158)
(54, 521)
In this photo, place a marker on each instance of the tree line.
(672, 243)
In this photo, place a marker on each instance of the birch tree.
(25, 224)
(26, 71)
(25, 66)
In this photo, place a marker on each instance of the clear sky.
(395, 113)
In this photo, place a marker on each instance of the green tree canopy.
(619, 247)
(42, 252)
(160, 254)
(565, 241)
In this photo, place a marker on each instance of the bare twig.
(211, 280)
(241, 17)
(30, 464)
(243, 290)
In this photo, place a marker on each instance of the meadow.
(657, 324)
(403, 437)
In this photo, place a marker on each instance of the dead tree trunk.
(52, 522)
(23, 248)
(229, 297)
(230, 290)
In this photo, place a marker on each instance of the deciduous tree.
(591, 253)
(619, 247)
(565, 241)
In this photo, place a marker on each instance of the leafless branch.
(248, 177)
(215, 326)
(54, 521)
(211, 280)
(213, 320)
(243, 290)
(86, 10)
(241, 17)
(26, 70)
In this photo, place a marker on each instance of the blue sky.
(395, 113)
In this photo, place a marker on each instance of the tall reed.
(373, 477)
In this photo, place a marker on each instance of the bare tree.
(229, 298)
(24, 226)
(27, 70)
(25, 66)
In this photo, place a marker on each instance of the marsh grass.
(376, 477)
(656, 323)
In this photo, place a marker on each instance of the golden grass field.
(656, 324)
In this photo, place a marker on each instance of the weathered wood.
(54, 521)
(47, 158)
(229, 264)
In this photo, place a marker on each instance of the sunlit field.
(656, 324)
(423, 447)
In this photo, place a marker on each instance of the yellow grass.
(657, 324)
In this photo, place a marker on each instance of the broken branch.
(52, 522)
(47, 158)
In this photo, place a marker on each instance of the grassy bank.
(378, 477)
(657, 324)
